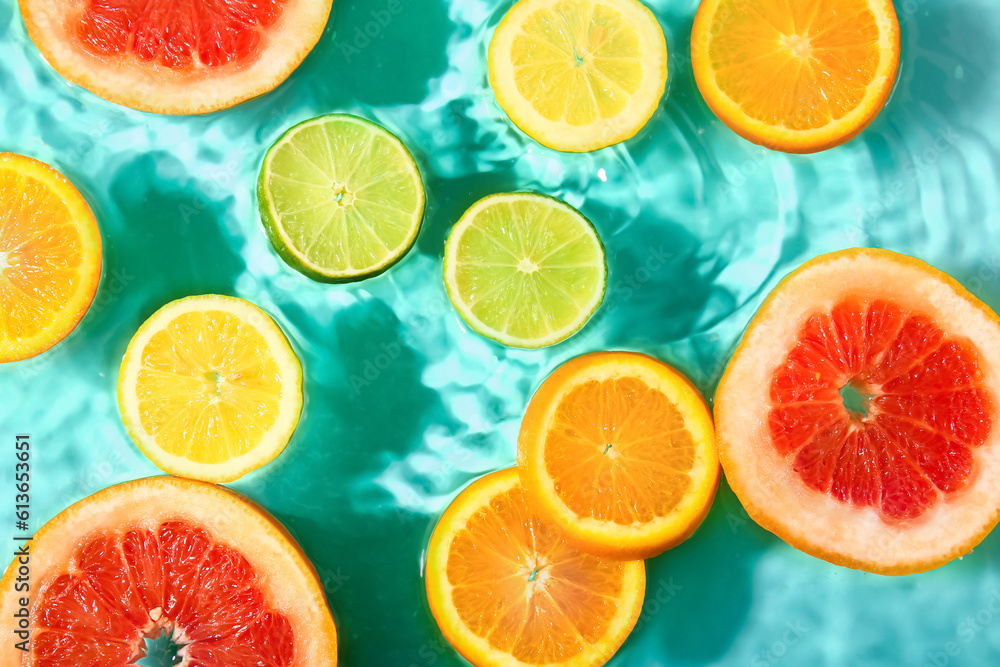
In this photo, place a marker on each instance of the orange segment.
(635, 440)
(507, 590)
(50, 257)
(618, 450)
(799, 75)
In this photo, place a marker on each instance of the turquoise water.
(698, 224)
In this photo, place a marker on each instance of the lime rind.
(341, 198)
(524, 269)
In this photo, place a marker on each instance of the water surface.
(698, 224)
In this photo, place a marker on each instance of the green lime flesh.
(524, 269)
(340, 197)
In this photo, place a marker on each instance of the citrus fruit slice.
(618, 450)
(507, 591)
(525, 270)
(857, 418)
(50, 257)
(211, 568)
(578, 75)
(175, 56)
(340, 197)
(796, 75)
(210, 388)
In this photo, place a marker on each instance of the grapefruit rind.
(477, 650)
(91, 262)
(560, 135)
(291, 585)
(160, 89)
(606, 538)
(290, 405)
(776, 497)
(787, 140)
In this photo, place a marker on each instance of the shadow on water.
(707, 577)
(365, 403)
(948, 57)
(945, 69)
(367, 590)
(161, 232)
(944, 73)
(386, 401)
(452, 197)
(380, 53)
(658, 287)
(366, 406)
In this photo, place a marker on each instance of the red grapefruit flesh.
(176, 56)
(169, 554)
(857, 418)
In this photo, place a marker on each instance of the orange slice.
(50, 257)
(618, 450)
(507, 591)
(796, 75)
(858, 416)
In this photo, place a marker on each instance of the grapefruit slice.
(175, 56)
(50, 257)
(857, 418)
(166, 553)
(618, 450)
(508, 591)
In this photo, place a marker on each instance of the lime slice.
(340, 197)
(524, 269)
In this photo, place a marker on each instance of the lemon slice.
(210, 388)
(578, 75)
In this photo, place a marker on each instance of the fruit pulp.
(122, 588)
(631, 440)
(927, 408)
(178, 35)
